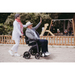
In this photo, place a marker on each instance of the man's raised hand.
(40, 19)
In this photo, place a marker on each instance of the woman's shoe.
(16, 54)
(10, 52)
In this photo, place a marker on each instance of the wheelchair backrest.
(26, 39)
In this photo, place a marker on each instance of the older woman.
(17, 32)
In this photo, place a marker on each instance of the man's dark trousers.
(44, 45)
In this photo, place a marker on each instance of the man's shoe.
(43, 54)
(10, 52)
(47, 53)
(16, 54)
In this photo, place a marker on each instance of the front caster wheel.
(37, 56)
(27, 55)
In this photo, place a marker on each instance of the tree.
(3, 17)
(34, 18)
(25, 17)
(3, 29)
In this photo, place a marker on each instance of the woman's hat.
(28, 23)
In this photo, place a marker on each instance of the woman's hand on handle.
(21, 34)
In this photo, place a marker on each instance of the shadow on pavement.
(50, 57)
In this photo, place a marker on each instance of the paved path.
(57, 54)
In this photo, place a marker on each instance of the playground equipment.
(54, 20)
(44, 30)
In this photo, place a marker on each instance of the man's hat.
(28, 23)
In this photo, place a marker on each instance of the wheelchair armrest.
(33, 40)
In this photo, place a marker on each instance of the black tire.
(37, 56)
(26, 55)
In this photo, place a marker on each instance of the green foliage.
(3, 17)
(7, 26)
(25, 17)
(3, 29)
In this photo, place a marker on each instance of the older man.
(32, 34)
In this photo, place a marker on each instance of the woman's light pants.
(15, 47)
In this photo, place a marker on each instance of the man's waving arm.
(37, 26)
